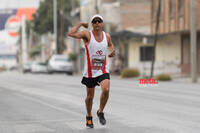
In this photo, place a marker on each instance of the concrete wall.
(133, 53)
(168, 56)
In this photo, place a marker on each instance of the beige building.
(167, 55)
(137, 50)
(175, 21)
(173, 45)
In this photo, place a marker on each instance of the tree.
(43, 19)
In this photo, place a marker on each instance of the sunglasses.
(97, 20)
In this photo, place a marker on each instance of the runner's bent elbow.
(74, 35)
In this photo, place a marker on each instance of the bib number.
(98, 63)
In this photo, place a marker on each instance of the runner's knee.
(106, 90)
(90, 96)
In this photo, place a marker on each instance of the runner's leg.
(89, 100)
(105, 86)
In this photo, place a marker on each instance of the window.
(181, 6)
(171, 7)
(146, 53)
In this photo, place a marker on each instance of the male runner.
(96, 69)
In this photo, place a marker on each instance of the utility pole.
(193, 41)
(24, 42)
(155, 38)
(75, 45)
(61, 46)
(55, 25)
(43, 48)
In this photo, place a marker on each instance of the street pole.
(72, 21)
(75, 46)
(55, 25)
(24, 42)
(155, 38)
(43, 48)
(193, 41)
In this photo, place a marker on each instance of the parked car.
(39, 67)
(60, 63)
(13, 68)
(27, 67)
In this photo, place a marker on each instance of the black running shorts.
(92, 82)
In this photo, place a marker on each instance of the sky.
(19, 3)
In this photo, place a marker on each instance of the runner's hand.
(112, 54)
(84, 25)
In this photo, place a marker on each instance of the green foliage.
(163, 77)
(36, 50)
(73, 56)
(43, 19)
(29, 26)
(130, 72)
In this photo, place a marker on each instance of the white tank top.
(96, 63)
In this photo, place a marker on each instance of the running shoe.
(89, 122)
(102, 119)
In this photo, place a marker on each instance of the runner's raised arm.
(79, 34)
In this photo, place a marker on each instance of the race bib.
(98, 62)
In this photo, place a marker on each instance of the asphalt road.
(40, 103)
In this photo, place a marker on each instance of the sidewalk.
(175, 79)
(185, 80)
